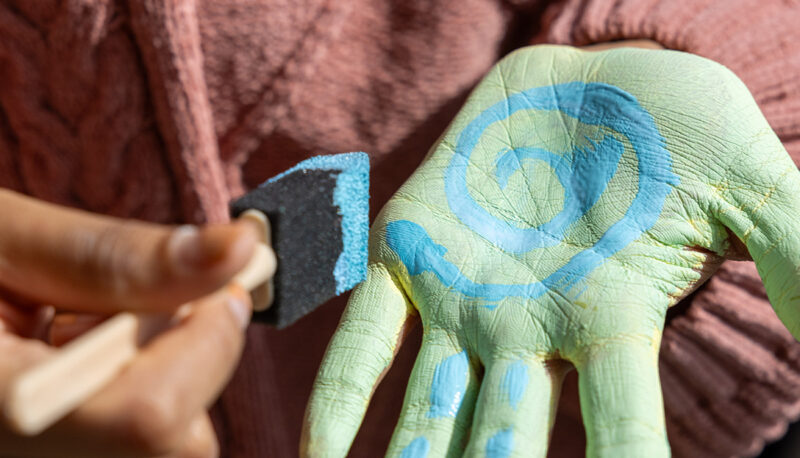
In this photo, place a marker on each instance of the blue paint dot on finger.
(418, 448)
(448, 386)
(514, 382)
(501, 444)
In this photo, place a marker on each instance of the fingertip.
(201, 441)
(246, 239)
(197, 261)
(222, 249)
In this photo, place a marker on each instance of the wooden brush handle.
(45, 393)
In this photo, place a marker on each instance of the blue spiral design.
(584, 174)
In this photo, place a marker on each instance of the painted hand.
(574, 198)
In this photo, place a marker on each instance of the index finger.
(360, 352)
(90, 263)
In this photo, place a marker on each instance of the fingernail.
(240, 310)
(192, 250)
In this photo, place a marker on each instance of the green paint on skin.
(464, 259)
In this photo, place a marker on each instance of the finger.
(200, 441)
(147, 410)
(361, 351)
(621, 399)
(440, 398)
(764, 214)
(516, 408)
(92, 263)
(18, 355)
(757, 196)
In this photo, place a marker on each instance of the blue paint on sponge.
(351, 196)
(319, 213)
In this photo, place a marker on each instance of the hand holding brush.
(318, 213)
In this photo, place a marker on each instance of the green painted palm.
(573, 200)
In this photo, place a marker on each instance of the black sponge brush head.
(319, 214)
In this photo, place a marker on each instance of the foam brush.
(314, 222)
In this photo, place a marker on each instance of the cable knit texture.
(151, 108)
(164, 110)
(76, 125)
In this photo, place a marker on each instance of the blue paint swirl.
(584, 174)
(418, 448)
(448, 386)
(596, 104)
(501, 444)
(514, 382)
(584, 179)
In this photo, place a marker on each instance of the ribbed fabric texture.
(730, 371)
(758, 39)
(76, 122)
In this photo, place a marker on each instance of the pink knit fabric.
(76, 125)
(164, 110)
(152, 108)
(730, 371)
(757, 39)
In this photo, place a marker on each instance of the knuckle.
(97, 250)
(152, 427)
(202, 443)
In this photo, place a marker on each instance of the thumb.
(763, 209)
(89, 263)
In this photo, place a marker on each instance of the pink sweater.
(164, 111)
